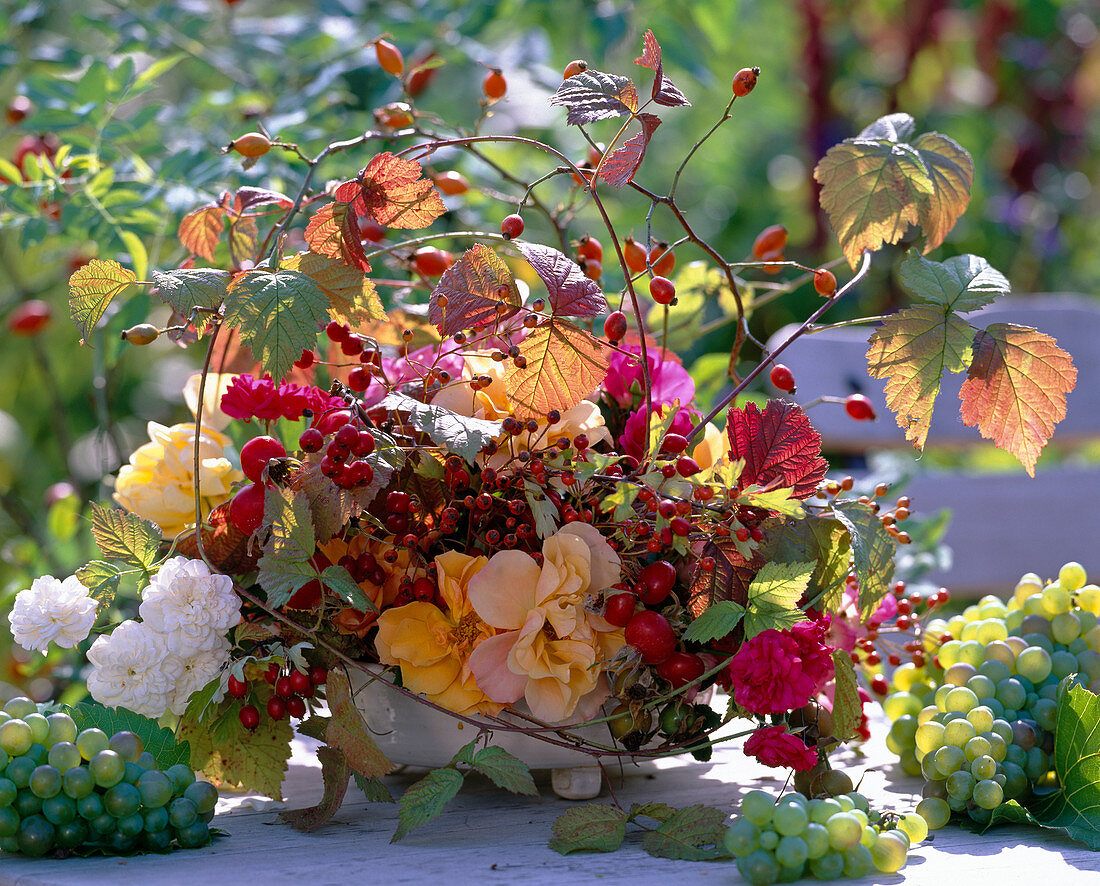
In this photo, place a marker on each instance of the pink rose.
(774, 746)
(669, 380)
(779, 671)
(632, 440)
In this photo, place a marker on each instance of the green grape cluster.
(785, 840)
(977, 721)
(61, 789)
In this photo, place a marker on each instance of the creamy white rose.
(52, 611)
(133, 669)
(198, 670)
(190, 605)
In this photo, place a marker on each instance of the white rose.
(190, 605)
(133, 669)
(52, 611)
(198, 670)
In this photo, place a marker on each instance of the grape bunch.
(785, 840)
(977, 720)
(61, 789)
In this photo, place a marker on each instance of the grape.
(844, 830)
(790, 819)
(1033, 663)
(7, 792)
(949, 759)
(16, 737)
(27, 804)
(9, 822)
(791, 851)
(983, 767)
(148, 761)
(156, 819)
(929, 736)
(988, 794)
(60, 727)
(40, 727)
(157, 841)
(758, 867)
(45, 782)
(981, 718)
(71, 834)
(756, 806)
(182, 776)
(959, 732)
(817, 839)
(131, 825)
(960, 699)
(829, 866)
(59, 810)
(889, 852)
(960, 784)
(126, 745)
(769, 839)
(1063, 663)
(1045, 712)
(36, 836)
(742, 837)
(19, 707)
(63, 755)
(122, 800)
(934, 811)
(19, 771)
(90, 807)
(857, 861)
(90, 742)
(107, 768)
(155, 789)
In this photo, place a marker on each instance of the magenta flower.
(248, 397)
(774, 746)
(668, 379)
(632, 440)
(779, 671)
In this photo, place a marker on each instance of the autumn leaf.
(201, 229)
(253, 198)
(911, 350)
(352, 296)
(664, 90)
(875, 185)
(478, 289)
(333, 506)
(189, 288)
(278, 315)
(244, 240)
(619, 168)
(564, 365)
(347, 731)
(284, 564)
(779, 444)
(571, 292)
(225, 545)
(593, 95)
(961, 283)
(334, 231)
(394, 193)
(847, 706)
(334, 775)
(729, 580)
(1015, 390)
(872, 553)
(91, 290)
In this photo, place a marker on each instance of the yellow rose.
(713, 448)
(159, 482)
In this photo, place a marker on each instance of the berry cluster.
(349, 444)
(292, 689)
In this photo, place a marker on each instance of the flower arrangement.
(494, 489)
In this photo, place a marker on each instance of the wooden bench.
(1003, 522)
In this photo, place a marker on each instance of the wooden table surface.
(490, 837)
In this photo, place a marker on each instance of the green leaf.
(594, 827)
(778, 500)
(339, 581)
(124, 536)
(284, 564)
(373, 789)
(620, 501)
(426, 799)
(161, 66)
(158, 741)
(662, 812)
(780, 584)
(911, 350)
(872, 553)
(91, 290)
(692, 834)
(278, 314)
(199, 705)
(543, 510)
(505, 771)
(139, 258)
(190, 288)
(820, 540)
(847, 708)
(767, 617)
(717, 621)
(465, 754)
(961, 283)
(458, 433)
(101, 579)
(1075, 806)
(334, 772)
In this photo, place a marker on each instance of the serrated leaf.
(819, 540)
(158, 741)
(779, 446)
(768, 617)
(479, 290)
(715, 623)
(543, 510)
(333, 231)
(426, 799)
(664, 90)
(1015, 389)
(728, 580)
(352, 296)
(225, 545)
(201, 229)
(618, 169)
(620, 502)
(189, 288)
(564, 365)
(847, 707)
(951, 173)
(781, 500)
(594, 827)
(244, 240)
(465, 754)
(201, 702)
(284, 564)
(249, 197)
(278, 315)
(126, 537)
(92, 287)
(593, 95)
(505, 771)
(693, 834)
(373, 789)
(393, 192)
(459, 434)
(911, 350)
(347, 731)
(101, 579)
(961, 283)
(571, 292)
(334, 773)
(338, 580)
(872, 553)
(662, 812)
(780, 584)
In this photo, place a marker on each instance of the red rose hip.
(650, 633)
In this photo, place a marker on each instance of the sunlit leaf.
(352, 295)
(393, 192)
(728, 580)
(249, 197)
(593, 95)
(92, 287)
(478, 288)
(459, 434)
(780, 447)
(847, 706)
(961, 283)
(571, 292)
(715, 622)
(872, 553)
(505, 771)
(819, 540)
(101, 579)
(244, 240)
(693, 834)
(201, 229)
(564, 364)
(334, 231)
(124, 536)
(664, 90)
(189, 288)
(284, 564)
(618, 169)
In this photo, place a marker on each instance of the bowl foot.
(577, 782)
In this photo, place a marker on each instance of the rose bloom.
(132, 669)
(767, 674)
(412, 368)
(216, 385)
(668, 379)
(355, 621)
(552, 647)
(491, 403)
(159, 483)
(190, 605)
(710, 449)
(432, 646)
(52, 611)
(198, 670)
(774, 746)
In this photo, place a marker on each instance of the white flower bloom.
(198, 670)
(52, 611)
(190, 605)
(133, 669)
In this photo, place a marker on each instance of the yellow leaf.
(92, 288)
(352, 295)
(564, 364)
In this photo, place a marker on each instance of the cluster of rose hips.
(352, 345)
(289, 698)
(246, 510)
(349, 444)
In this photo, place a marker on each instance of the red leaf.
(665, 91)
(728, 580)
(778, 444)
(1015, 390)
(225, 545)
(250, 198)
(476, 287)
(199, 231)
(619, 168)
(571, 293)
(334, 231)
(594, 95)
(394, 193)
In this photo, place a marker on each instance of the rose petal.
(489, 665)
(503, 592)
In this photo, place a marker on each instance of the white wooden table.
(489, 837)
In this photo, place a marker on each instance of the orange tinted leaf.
(911, 350)
(225, 545)
(1015, 391)
(92, 287)
(593, 95)
(619, 168)
(352, 295)
(334, 231)
(199, 231)
(394, 193)
(564, 365)
(571, 292)
(243, 240)
(729, 580)
(253, 198)
(476, 287)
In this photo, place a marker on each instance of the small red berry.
(307, 359)
(656, 581)
(283, 687)
(432, 262)
(650, 633)
(783, 378)
(296, 707)
(311, 440)
(29, 318)
(687, 466)
(494, 85)
(744, 81)
(825, 283)
(635, 255)
(512, 226)
(577, 66)
(681, 668)
(452, 183)
(276, 708)
(390, 59)
(619, 609)
(256, 453)
(237, 688)
(249, 717)
(772, 239)
(662, 259)
(246, 510)
(318, 675)
(680, 526)
(590, 249)
(614, 327)
(674, 444)
(337, 332)
(859, 408)
(299, 681)
(662, 290)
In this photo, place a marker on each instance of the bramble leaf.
(593, 95)
(331, 505)
(961, 283)
(334, 773)
(201, 229)
(351, 295)
(911, 350)
(189, 288)
(373, 789)
(544, 512)
(728, 580)
(393, 192)
(244, 240)
(123, 536)
(225, 545)
(278, 315)
(479, 289)
(101, 579)
(774, 595)
(505, 771)
(571, 293)
(338, 580)
(460, 434)
(347, 731)
(284, 564)
(693, 834)
(618, 168)
(664, 91)
(820, 540)
(847, 707)
(564, 365)
(594, 827)
(715, 622)
(872, 552)
(91, 290)
(248, 197)
(158, 741)
(426, 799)
(780, 447)
(1015, 390)
(333, 231)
